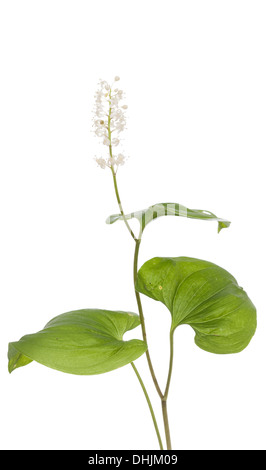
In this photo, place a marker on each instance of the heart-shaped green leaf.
(82, 342)
(204, 296)
(169, 208)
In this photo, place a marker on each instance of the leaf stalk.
(149, 405)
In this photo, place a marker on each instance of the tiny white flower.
(103, 84)
(106, 141)
(111, 162)
(99, 132)
(117, 78)
(101, 162)
(120, 127)
(120, 160)
(116, 113)
(114, 101)
(115, 141)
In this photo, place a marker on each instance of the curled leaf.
(82, 342)
(203, 295)
(168, 208)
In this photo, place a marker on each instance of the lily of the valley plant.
(196, 292)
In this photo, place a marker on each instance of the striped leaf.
(168, 208)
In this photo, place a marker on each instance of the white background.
(194, 74)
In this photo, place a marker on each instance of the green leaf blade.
(204, 296)
(233, 333)
(83, 342)
(168, 208)
(16, 359)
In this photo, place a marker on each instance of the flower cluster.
(109, 121)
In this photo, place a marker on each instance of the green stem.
(166, 425)
(149, 404)
(119, 202)
(164, 399)
(170, 364)
(142, 320)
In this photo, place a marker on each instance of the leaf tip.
(112, 218)
(223, 224)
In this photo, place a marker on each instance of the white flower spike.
(109, 122)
